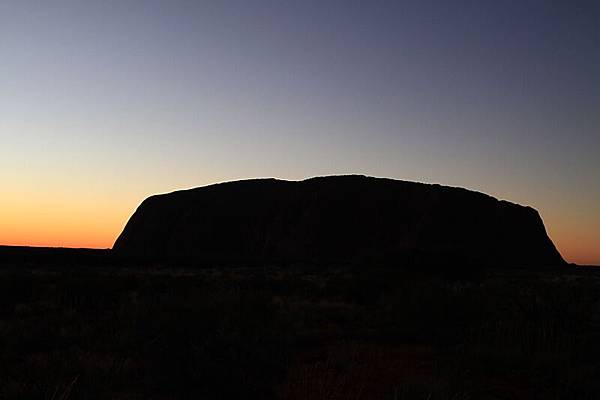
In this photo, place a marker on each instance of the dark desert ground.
(97, 324)
(77, 328)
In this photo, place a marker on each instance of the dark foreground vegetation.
(266, 333)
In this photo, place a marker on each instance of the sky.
(103, 103)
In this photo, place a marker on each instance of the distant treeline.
(32, 256)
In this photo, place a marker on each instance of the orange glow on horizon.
(61, 222)
(54, 215)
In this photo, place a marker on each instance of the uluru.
(351, 219)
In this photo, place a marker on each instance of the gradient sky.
(103, 103)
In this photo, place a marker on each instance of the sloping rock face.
(337, 219)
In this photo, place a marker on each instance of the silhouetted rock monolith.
(336, 220)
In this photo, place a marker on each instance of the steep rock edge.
(351, 219)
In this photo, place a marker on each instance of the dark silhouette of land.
(54, 256)
(336, 220)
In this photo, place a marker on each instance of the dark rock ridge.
(350, 219)
(53, 256)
